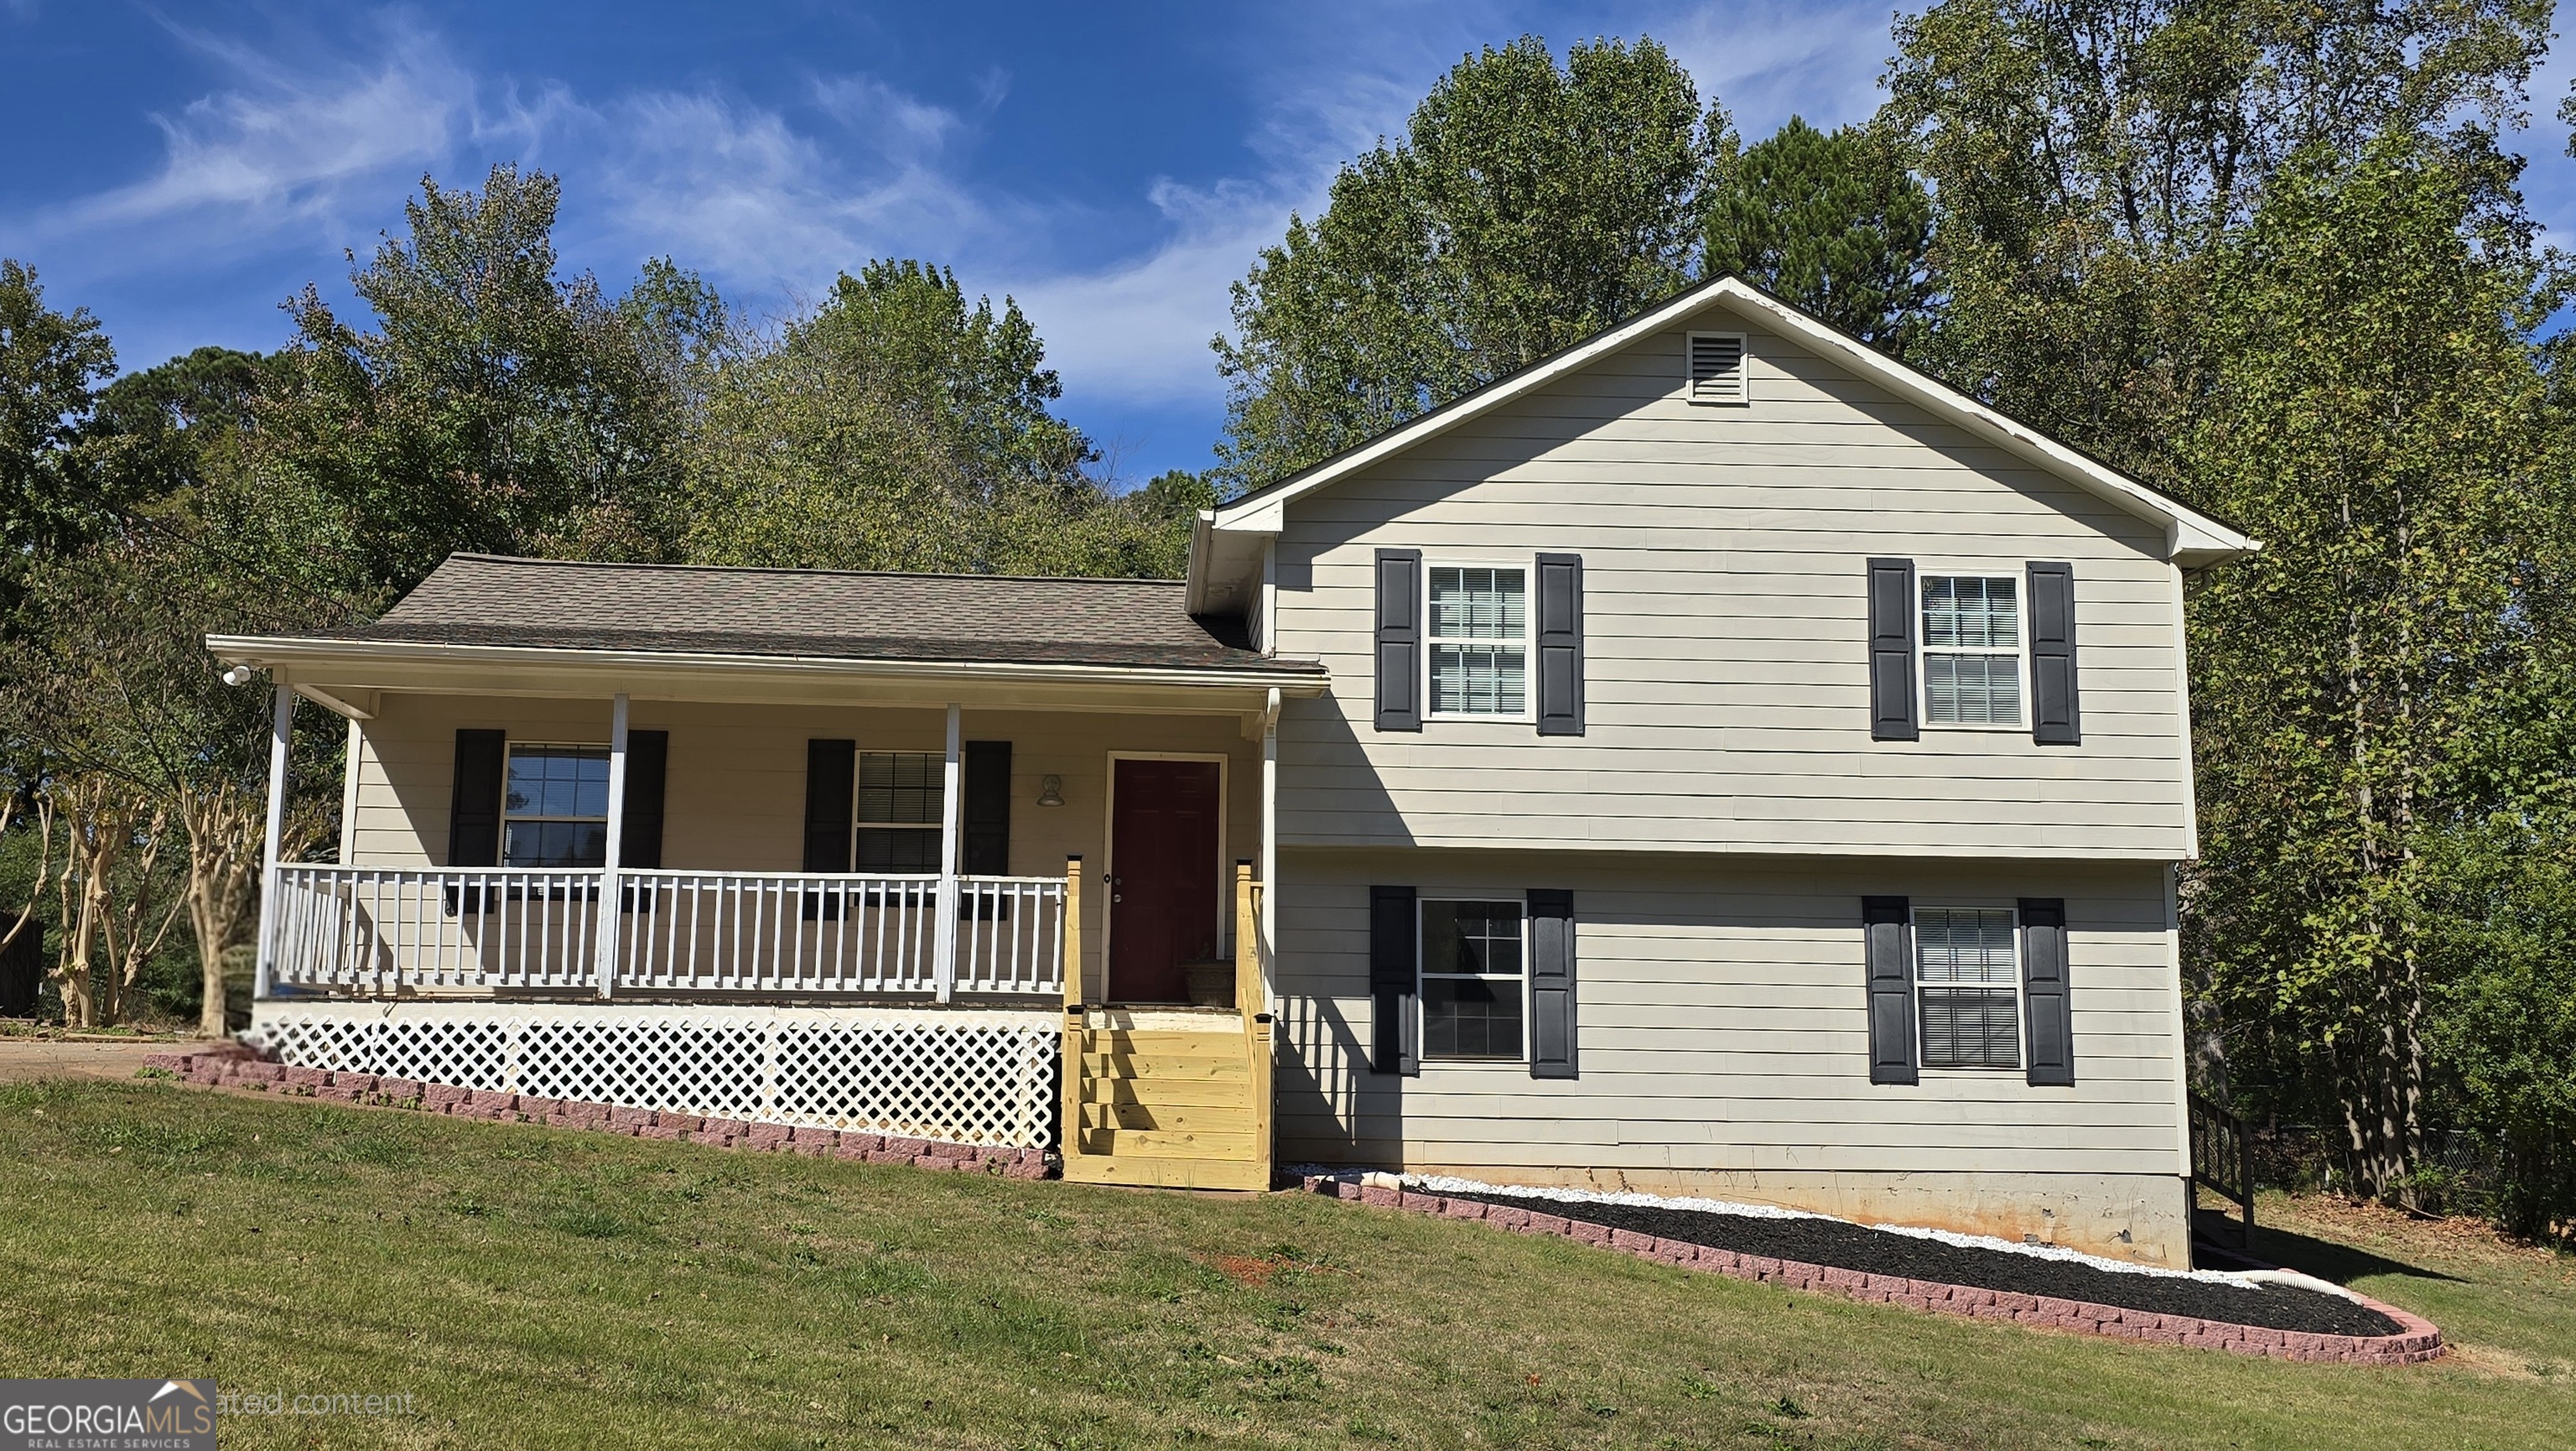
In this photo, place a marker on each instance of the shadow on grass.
(2327, 1260)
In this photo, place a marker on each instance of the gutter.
(272, 652)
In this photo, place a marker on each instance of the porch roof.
(490, 616)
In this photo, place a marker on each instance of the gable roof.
(498, 600)
(2192, 539)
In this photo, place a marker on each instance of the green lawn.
(535, 1287)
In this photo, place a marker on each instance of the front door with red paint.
(1162, 877)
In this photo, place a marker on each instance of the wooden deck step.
(1167, 1173)
(1233, 1093)
(1176, 1143)
(1218, 1118)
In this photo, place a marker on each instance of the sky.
(181, 170)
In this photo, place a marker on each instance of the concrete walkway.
(25, 1058)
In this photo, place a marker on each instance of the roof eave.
(296, 655)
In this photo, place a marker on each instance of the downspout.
(1270, 846)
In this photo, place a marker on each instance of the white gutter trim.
(2187, 530)
(268, 651)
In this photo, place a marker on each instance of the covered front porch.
(848, 891)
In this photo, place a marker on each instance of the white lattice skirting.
(959, 1076)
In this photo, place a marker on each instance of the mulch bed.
(1843, 1246)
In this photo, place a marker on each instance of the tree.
(49, 363)
(497, 406)
(1528, 206)
(895, 427)
(2377, 417)
(1833, 223)
(2087, 157)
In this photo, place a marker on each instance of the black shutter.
(648, 761)
(2055, 713)
(474, 811)
(2044, 996)
(1399, 639)
(1551, 970)
(1560, 644)
(1884, 921)
(1394, 982)
(1891, 650)
(831, 793)
(985, 809)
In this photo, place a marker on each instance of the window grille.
(554, 807)
(1971, 650)
(1479, 641)
(1968, 973)
(1473, 970)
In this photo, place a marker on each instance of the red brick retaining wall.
(231, 1067)
(2417, 1341)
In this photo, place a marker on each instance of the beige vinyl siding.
(1723, 1028)
(736, 783)
(1725, 631)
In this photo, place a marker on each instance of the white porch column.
(1269, 920)
(944, 934)
(608, 894)
(281, 734)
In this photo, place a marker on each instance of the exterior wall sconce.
(1051, 791)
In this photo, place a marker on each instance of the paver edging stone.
(231, 1066)
(2417, 1340)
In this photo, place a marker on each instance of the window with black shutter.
(1394, 976)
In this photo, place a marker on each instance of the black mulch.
(1843, 1246)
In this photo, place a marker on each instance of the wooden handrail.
(1073, 932)
(2222, 1159)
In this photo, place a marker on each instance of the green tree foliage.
(2377, 417)
(1528, 206)
(1834, 223)
(2088, 157)
(895, 427)
(51, 491)
(497, 406)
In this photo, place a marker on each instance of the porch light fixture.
(1051, 791)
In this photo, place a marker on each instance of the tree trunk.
(224, 845)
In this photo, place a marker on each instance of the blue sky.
(180, 170)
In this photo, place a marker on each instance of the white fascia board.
(303, 655)
(2191, 538)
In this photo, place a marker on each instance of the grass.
(533, 1287)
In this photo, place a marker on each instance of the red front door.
(1162, 877)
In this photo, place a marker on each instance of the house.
(1715, 759)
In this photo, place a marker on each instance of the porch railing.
(385, 931)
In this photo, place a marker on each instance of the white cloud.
(281, 148)
(1769, 60)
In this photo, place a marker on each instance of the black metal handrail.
(2222, 1160)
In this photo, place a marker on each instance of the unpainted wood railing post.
(1252, 1003)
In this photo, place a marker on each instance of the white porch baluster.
(281, 733)
(944, 931)
(616, 837)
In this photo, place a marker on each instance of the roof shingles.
(481, 599)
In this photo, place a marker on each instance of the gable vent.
(1717, 368)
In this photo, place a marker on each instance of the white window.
(1972, 650)
(1717, 368)
(1479, 640)
(899, 810)
(1473, 979)
(554, 806)
(1967, 973)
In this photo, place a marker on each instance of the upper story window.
(899, 810)
(1972, 650)
(1479, 641)
(554, 807)
(1968, 975)
(1472, 979)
